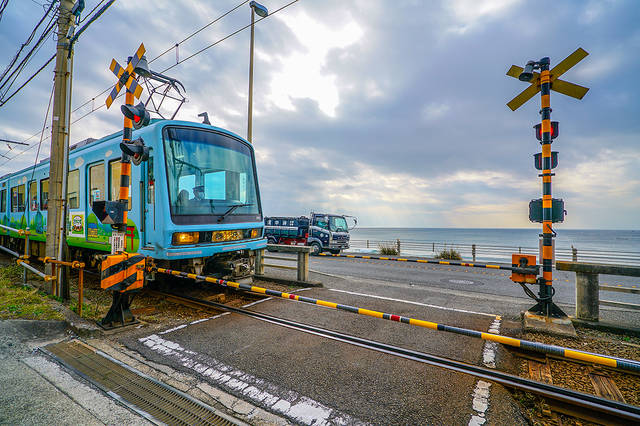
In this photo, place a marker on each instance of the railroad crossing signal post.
(544, 82)
(121, 272)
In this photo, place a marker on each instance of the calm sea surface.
(627, 241)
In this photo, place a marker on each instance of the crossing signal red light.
(137, 114)
(554, 130)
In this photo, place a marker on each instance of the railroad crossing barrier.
(588, 287)
(302, 260)
(525, 271)
(612, 362)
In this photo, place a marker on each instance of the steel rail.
(590, 402)
(609, 361)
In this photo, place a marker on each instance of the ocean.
(497, 244)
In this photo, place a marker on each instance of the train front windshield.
(211, 177)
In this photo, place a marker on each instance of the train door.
(96, 184)
(148, 200)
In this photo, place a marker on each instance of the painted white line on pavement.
(412, 302)
(288, 403)
(481, 395)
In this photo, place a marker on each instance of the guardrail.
(302, 260)
(25, 262)
(588, 287)
(487, 251)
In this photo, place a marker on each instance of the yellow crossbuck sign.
(557, 85)
(126, 76)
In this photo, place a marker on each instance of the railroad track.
(578, 404)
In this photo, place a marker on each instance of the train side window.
(3, 200)
(114, 182)
(17, 198)
(33, 196)
(96, 183)
(44, 194)
(73, 189)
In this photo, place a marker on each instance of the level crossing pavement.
(312, 380)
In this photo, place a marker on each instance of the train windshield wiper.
(231, 209)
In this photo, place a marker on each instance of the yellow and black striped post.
(125, 164)
(544, 82)
(545, 305)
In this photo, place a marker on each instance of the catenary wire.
(26, 43)
(178, 63)
(44, 126)
(16, 72)
(163, 53)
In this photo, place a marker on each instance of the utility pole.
(59, 163)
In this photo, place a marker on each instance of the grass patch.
(388, 249)
(24, 302)
(449, 254)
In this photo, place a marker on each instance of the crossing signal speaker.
(138, 114)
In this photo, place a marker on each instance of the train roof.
(90, 142)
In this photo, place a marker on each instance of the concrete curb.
(607, 326)
(81, 327)
(290, 282)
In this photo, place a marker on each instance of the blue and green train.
(195, 203)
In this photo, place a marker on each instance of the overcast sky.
(391, 111)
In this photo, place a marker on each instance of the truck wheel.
(271, 241)
(335, 251)
(315, 249)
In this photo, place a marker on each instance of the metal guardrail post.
(574, 254)
(398, 245)
(473, 252)
(303, 266)
(80, 289)
(260, 262)
(26, 254)
(587, 296)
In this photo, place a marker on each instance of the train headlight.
(256, 232)
(182, 238)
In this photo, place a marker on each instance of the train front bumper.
(203, 250)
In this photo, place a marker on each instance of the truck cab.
(328, 232)
(321, 231)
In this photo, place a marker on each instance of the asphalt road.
(313, 380)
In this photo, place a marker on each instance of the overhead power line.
(13, 76)
(166, 69)
(27, 42)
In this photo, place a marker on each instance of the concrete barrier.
(588, 286)
(302, 261)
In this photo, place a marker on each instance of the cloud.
(303, 74)
(379, 109)
(471, 13)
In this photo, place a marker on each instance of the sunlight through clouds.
(303, 73)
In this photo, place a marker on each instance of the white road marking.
(412, 302)
(480, 402)
(290, 404)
